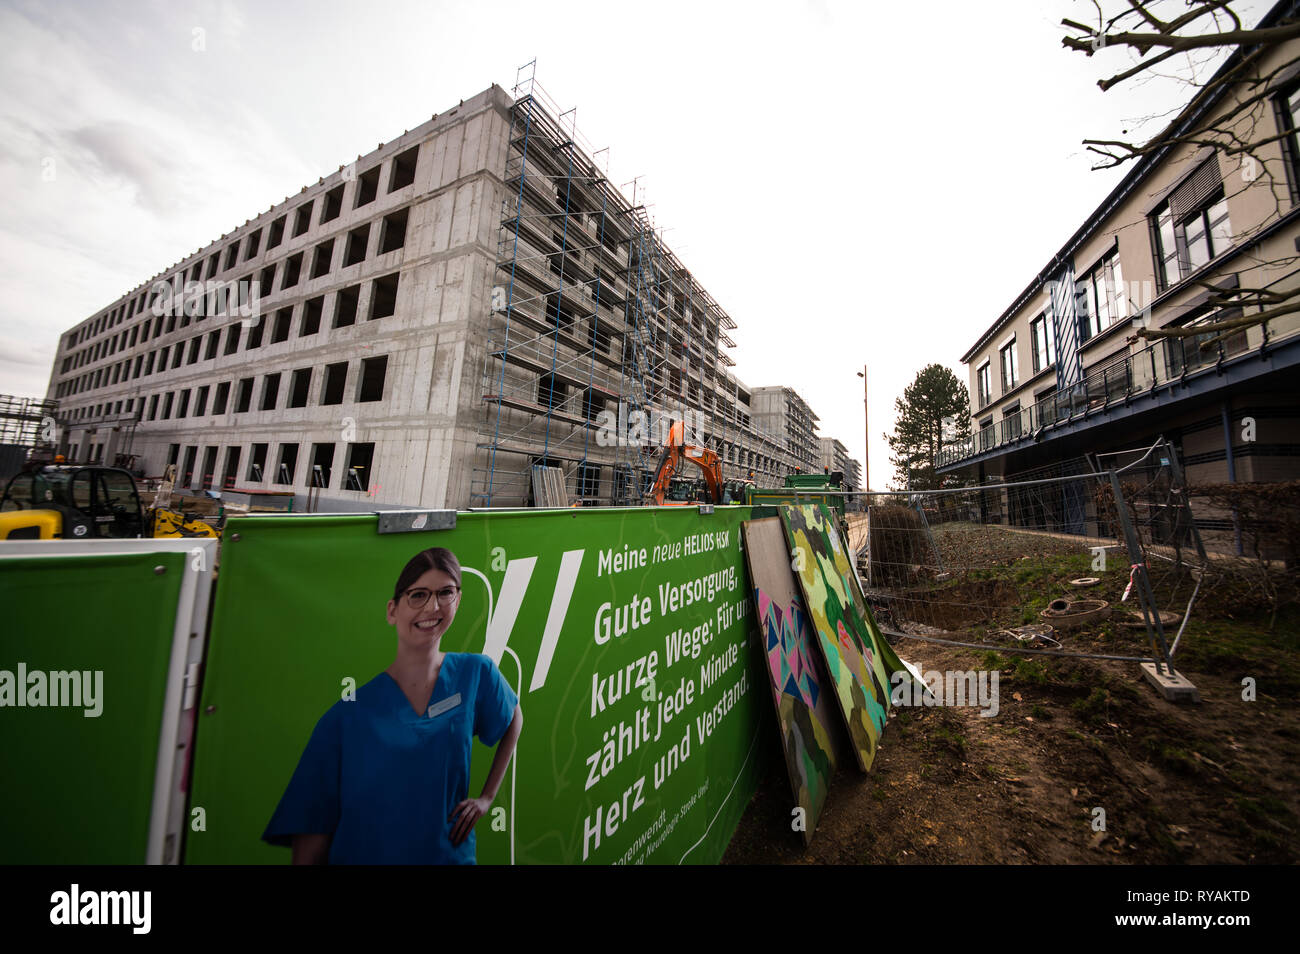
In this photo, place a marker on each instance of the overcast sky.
(855, 183)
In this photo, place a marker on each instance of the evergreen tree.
(919, 433)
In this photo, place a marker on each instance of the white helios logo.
(951, 688)
(518, 573)
(38, 689)
(102, 907)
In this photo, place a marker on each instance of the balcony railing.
(1166, 360)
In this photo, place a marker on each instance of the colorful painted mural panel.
(857, 666)
(785, 638)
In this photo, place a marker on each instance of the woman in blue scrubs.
(385, 777)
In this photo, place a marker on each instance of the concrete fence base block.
(1171, 684)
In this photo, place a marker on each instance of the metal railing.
(1157, 364)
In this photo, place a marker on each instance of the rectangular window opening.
(355, 252)
(392, 235)
(345, 306)
(311, 313)
(299, 385)
(276, 233)
(270, 392)
(322, 460)
(321, 260)
(292, 271)
(373, 372)
(403, 172)
(336, 376)
(231, 472)
(333, 204)
(367, 187)
(287, 466)
(383, 300)
(280, 332)
(302, 219)
(244, 396)
(360, 460)
(257, 463)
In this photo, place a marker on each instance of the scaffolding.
(593, 328)
(27, 422)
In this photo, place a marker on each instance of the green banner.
(83, 671)
(626, 634)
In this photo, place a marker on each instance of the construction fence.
(1106, 563)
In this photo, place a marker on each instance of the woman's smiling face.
(423, 625)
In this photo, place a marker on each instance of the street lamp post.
(866, 448)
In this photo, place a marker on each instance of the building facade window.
(1287, 111)
(299, 385)
(322, 460)
(373, 373)
(588, 480)
(1192, 227)
(1042, 338)
(1011, 428)
(336, 376)
(287, 466)
(360, 462)
(257, 463)
(983, 386)
(1010, 368)
(1099, 297)
(244, 396)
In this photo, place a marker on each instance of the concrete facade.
(367, 352)
(835, 456)
(781, 411)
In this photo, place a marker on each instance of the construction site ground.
(1211, 783)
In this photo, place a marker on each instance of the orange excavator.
(671, 488)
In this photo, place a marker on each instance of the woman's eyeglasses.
(416, 599)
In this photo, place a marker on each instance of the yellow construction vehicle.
(84, 501)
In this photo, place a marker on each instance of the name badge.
(446, 705)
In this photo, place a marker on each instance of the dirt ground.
(1210, 783)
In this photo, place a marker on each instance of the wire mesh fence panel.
(1048, 564)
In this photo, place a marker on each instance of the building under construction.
(422, 328)
(26, 424)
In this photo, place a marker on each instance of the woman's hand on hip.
(465, 815)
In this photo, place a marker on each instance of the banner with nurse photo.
(623, 634)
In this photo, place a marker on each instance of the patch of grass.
(1095, 708)
(1039, 712)
(879, 794)
(1090, 741)
(950, 738)
(1030, 671)
(1259, 809)
(1179, 760)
